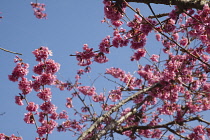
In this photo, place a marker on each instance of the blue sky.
(68, 27)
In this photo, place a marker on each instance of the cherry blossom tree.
(165, 99)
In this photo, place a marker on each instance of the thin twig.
(10, 51)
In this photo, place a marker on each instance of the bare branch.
(10, 51)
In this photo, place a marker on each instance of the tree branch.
(115, 108)
(187, 4)
(113, 124)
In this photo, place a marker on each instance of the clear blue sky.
(70, 24)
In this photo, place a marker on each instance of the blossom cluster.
(39, 8)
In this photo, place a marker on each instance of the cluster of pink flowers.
(113, 11)
(84, 57)
(119, 40)
(19, 71)
(115, 95)
(12, 137)
(45, 69)
(138, 54)
(99, 98)
(184, 76)
(87, 90)
(39, 8)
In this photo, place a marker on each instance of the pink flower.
(63, 115)
(85, 57)
(29, 118)
(154, 57)
(32, 107)
(111, 11)
(86, 90)
(107, 107)
(138, 54)
(41, 116)
(101, 58)
(25, 86)
(49, 66)
(42, 53)
(175, 36)
(69, 103)
(45, 94)
(38, 10)
(208, 49)
(183, 42)
(171, 137)
(19, 100)
(115, 95)
(158, 37)
(117, 23)
(20, 70)
(47, 79)
(48, 107)
(99, 98)
(169, 26)
(199, 130)
(105, 45)
(54, 115)
(2, 136)
(139, 41)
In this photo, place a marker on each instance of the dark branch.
(187, 4)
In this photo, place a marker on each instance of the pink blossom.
(175, 36)
(48, 107)
(63, 115)
(47, 127)
(138, 54)
(99, 98)
(2, 136)
(139, 41)
(85, 57)
(49, 66)
(69, 103)
(118, 40)
(25, 86)
(29, 118)
(19, 100)
(47, 79)
(45, 94)
(117, 23)
(54, 115)
(199, 130)
(115, 95)
(41, 116)
(20, 70)
(42, 53)
(107, 107)
(208, 49)
(111, 11)
(86, 90)
(105, 45)
(147, 28)
(32, 107)
(154, 57)
(158, 37)
(169, 26)
(183, 42)
(171, 137)
(38, 10)
(100, 58)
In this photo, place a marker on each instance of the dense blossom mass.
(165, 96)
